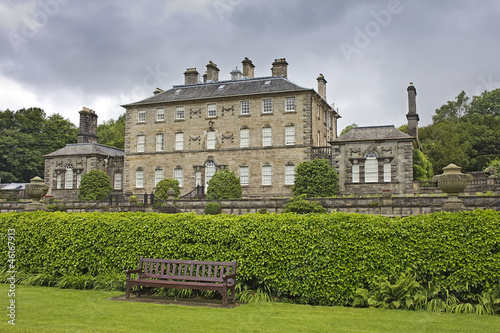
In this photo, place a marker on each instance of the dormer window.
(178, 91)
(221, 87)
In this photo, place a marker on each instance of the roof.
(86, 149)
(12, 186)
(264, 85)
(373, 133)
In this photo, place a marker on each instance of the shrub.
(11, 197)
(212, 208)
(95, 186)
(315, 179)
(224, 185)
(166, 184)
(493, 168)
(300, 205)
(422, 167)
(311, 259)
(262, 211)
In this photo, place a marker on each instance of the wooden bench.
(184, 274)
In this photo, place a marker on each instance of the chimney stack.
(88, 126)
(248, 68)
(191, 76)
(212, 72)
(322, 86)
(412, 115)
(279, 67)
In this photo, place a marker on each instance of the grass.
(45, 309)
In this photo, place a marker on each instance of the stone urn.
(452, 182)
(36, 190)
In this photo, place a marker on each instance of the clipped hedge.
(316, 259)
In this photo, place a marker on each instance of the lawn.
(41, 309)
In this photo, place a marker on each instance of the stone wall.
(390, 206)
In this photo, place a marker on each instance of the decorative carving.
(386, 150)
(211, 125)
(195, 138)
(194, 112)
(59, 164)
(356, 151)
(79, 163)
(227, 110)
(228, 137)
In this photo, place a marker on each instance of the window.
(324, 117)
(160, 142)
(244, 175)
(290, 135)
(267, 105)
(198, 178)
(160, 114)
(212, 110)
(209, 172)
(244, 138)
(68, 177)
(118, 181)
(267, 137)
(289, 174)
(318, 111)
(59, 181)
(141, 116)
(141, 141)
(387, 172)
(139, 178)
(267, 173)
(179, 112)
(371, 168)
(211, 140)
(179, 175)
(289, 104)
(179, 141)
(355, 173)
(245, 107)
(158, 176)
(78, 180)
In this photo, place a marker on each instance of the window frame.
(179, 144)
(244, 176)
(68, 177)
(212, 107)
(267, 175)
(179, 176)
(141, 143)
(289, 136)
(267, 137)
(159, 175)
(287, 104)
(117, 181)
(139, 178)
(160, 114)
(179, 113)
(141, 116)
(211, 140)
(267, 108)
(289, 175)
(245, 108)
(244, 140)
(160, 144)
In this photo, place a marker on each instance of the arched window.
(68, 177)
(371, 167)
(209, 172)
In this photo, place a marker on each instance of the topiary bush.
(164, 185)
(95, 186)
(315, 179)
(300, 205)
(224, 185)
(212, 208)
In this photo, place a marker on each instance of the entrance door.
(209, 172)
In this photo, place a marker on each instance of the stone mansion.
(259, 127)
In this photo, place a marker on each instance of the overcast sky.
(61, 55)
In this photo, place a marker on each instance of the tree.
(224, 185)
(422, 167)
(348, 128)
(315, 179)
(452, 110)
(493, 167)
(25, 136)
(164, 185)
(112, 133)
(95, 186)
(486, 104)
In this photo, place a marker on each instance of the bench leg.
(127, 291)
(224, 295)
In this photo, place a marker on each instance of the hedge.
(315, 259)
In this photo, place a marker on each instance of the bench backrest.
(189, 270)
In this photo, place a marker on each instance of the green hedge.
(316, 259)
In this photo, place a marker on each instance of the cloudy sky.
(61, 55)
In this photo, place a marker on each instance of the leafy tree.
(315, 179)
(486, 104)
(300, 205)
(164, 185)
(25, 136)
(348, 128)
(224, 185)
(112, 133)
(493, 168)
(422, 167)
(95, 186)
(452, 110)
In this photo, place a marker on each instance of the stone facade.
(260, 128)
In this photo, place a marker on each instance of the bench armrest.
(230, 276)
(132, 271)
